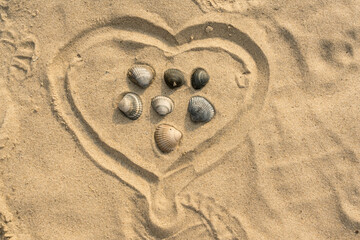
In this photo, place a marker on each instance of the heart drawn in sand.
(88, 77)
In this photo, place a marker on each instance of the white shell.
(142, 75)
(200, 109)
(162, 105)
(167, 137)
(131, 106)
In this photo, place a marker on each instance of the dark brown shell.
(174, 78)
(199, 78)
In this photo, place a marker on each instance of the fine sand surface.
(279, 160)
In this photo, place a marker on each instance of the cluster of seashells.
(167, 137)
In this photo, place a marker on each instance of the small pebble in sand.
(209, 29)
(241, 81)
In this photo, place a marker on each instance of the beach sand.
(279, 160)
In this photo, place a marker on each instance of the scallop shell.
(174, 78)
(199, 78)
(162, 105)
(142, 75)
(167, 137)
(131, 106)
(200, 109)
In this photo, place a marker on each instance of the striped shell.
(142, 75)
(200, 109)
(131, 106)
(199, 78)
(162, 105)
(167, 137)
(174, 78)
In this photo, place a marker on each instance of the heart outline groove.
(125, 164)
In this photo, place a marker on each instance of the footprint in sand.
(341, 53)
(24, 53)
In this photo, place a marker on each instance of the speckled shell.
(200, 109)
(174, 78)
(199, 78)
(131, 106)
(162, 105)
(141, 75)
(167, 138)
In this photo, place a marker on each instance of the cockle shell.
(162, 105)
(200, 109)
(167, 137)
(174, 78)
(142, 75)
(199, 78)
(131, 106)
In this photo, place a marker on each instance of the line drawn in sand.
(160, 188)
(226, 5)
(8, 225)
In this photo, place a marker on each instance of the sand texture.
(279, 159)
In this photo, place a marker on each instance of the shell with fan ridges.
(174, 78)
(131, 105)
(141, 75)
(167, 138)
(200, 109)
(162, 105)
(199, 78)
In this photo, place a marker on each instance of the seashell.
(200, 109)
(162, 105)
(167, 137)
(131, 106)
(142, 75)
(199, 78)
(174, 78)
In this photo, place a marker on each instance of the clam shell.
(167, 137)
(199, 78)
(131, 106)
(174, 78)
(162, 105)
(142, 75)
(200, 109)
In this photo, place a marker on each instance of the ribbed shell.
(167, 137)
(162, 105)
(174, 78)
(200, 109)
(131, 106)
(142, 75)
(199, 78)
